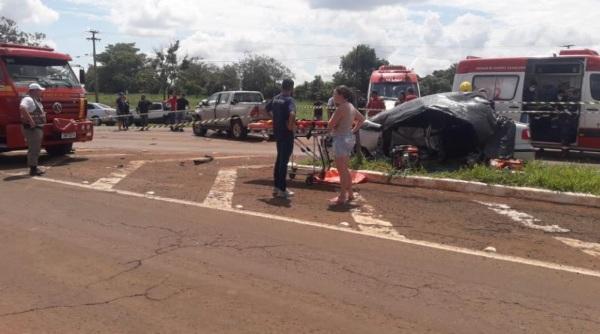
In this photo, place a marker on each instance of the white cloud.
(309, 36)
(353, 5)
(28, 11)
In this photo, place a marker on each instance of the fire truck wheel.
(58, 150)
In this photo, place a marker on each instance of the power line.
(94, 39)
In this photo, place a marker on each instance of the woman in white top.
(344, 124)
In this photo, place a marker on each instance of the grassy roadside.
(536, 174)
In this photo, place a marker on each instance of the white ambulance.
(558, 96)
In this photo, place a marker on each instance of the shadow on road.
(295, 184)
(16, 161)
(278, 202)
(16, 178)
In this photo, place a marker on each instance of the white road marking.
(589, 248)
(269, 217)
(523, 218)
(364, 216)
(107, 183)
(221, 193)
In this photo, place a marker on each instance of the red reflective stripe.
(492, 65)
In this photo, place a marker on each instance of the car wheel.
(198, 129)
(96, 121)
(237, 130)
(59, 150)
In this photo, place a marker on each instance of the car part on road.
(405, 157)
(206, 159)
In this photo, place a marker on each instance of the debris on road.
(490, 249)
(206, 159)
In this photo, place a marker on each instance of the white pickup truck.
(230, 111)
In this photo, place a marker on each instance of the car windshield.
(47, 72)
(391, 90)
(103, 106)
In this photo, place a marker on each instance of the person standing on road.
(401, 99)
(330, 108)
(143, 108)
(344, 124)
(375, 105)
(182, 105)
(410, 94)
(126, 113)
(33, 119)
(121, 116)
(318, 110)
(283, 111)
(172, 104)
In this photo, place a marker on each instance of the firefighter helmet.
(465, 87)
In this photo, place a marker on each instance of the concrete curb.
(481, 188)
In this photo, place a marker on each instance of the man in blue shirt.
(283, 111)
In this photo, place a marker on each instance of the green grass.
(535, 174)
(571, 178)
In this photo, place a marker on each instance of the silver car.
(100, 113)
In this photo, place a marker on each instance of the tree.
(10, 33)
(356, 67)
(439, 81)
(261, 73)
(121, 65)
(168, 67)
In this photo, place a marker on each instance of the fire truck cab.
(558, 96)
(390, 80)
(63, 99)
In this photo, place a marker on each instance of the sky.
(310, 36)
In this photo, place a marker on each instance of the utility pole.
(94, 39)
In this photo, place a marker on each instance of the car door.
(222, 109)
(207, 111)
(589, 123)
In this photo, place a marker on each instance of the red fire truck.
(559, 96)
(63, 100)
(389, 80)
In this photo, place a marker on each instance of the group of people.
(176, 104)
(377, 104)
(343, 124)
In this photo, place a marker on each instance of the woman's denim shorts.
(343, 144)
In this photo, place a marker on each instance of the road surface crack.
(146, 294)
(416, 291)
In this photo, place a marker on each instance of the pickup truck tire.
(59, 150)
(199, 130)
(237, 129)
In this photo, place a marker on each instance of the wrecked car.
(447, 126)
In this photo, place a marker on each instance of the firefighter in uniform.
(33, 119)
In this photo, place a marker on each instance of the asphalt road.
(130, 237)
